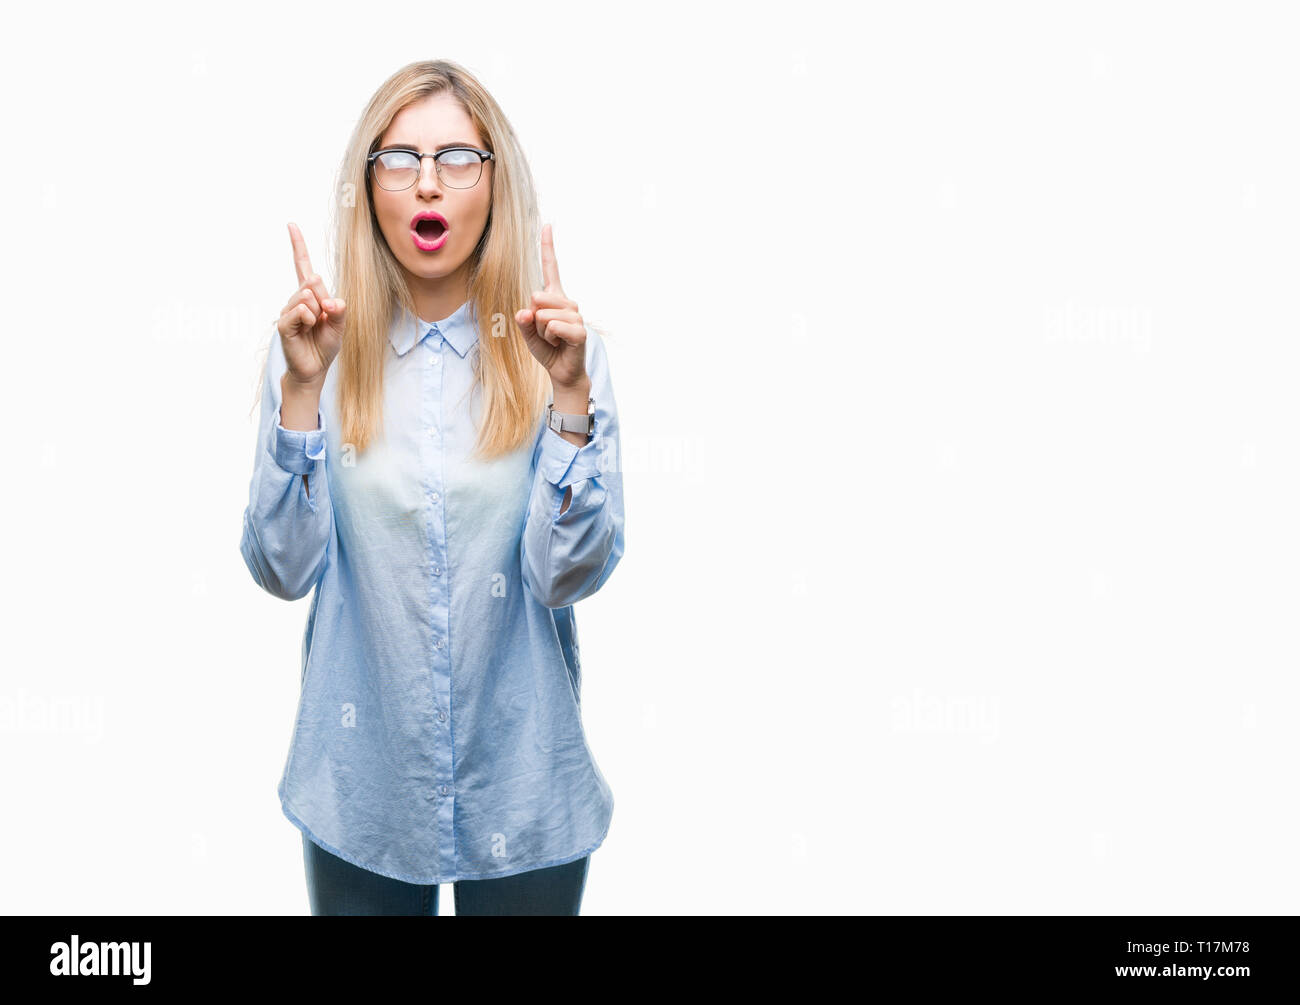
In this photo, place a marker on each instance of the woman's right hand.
(311, 324)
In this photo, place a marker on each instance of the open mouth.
(430, 230)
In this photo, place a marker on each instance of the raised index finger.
(550, 270)
(301, 261)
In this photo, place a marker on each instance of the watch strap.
(566, 422)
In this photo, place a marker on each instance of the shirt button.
(442, 716)
(433, 430)
(434, 496)
(433, 359)
(438, 644)
(437, 571)
(444, 790)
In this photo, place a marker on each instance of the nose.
(429, 183)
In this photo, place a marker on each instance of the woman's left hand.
(552, 328)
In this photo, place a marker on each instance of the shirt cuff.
(563, 463)
(298, 450)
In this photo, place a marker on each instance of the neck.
(437, 299)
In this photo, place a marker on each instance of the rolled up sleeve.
(287, 529)
(568, 556)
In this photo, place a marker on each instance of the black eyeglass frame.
(483, 156)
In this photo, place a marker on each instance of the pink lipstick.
(429, 230)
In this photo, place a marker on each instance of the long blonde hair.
(505, 269)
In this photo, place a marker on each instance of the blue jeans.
(337, 887)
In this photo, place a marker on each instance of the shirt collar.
(460, 330)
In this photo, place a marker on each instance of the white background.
(955, 352)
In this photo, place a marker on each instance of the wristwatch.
(563, 422)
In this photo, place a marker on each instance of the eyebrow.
(444, 146)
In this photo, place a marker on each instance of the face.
(437, 266)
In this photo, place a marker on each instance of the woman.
(447, 518)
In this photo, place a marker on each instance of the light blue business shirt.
(438, 734)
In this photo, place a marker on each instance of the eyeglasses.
(457, 167)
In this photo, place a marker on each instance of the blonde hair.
(505, 269)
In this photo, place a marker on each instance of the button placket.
(439, 599)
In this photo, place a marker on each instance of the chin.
(425, 271)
